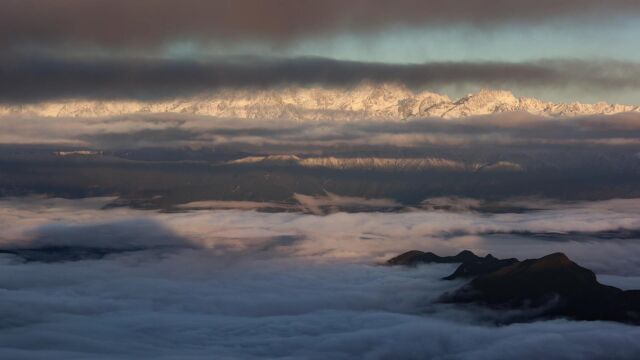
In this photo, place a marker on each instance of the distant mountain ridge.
(366, 101)
(374, 163)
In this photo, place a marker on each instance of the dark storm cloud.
(152, 22)
(39, 78)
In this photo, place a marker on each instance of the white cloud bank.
(370, 237)
(287, 285)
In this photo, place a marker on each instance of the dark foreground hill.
(551, 286)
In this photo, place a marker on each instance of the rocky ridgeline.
(551, 286)
(375, 163)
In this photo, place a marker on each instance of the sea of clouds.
(246, 284)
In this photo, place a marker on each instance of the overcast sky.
(36, 35)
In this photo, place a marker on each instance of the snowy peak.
(483, 103)
(486, 96)
(376, 163)
(269, 159)
(367, 101)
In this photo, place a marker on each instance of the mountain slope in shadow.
(551, 286)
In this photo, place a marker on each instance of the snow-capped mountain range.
(366, 101)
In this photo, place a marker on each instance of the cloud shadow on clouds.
(58, 242)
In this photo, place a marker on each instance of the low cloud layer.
(264, 310)
(258, 285)
(92, 22)
(369, 237)
(264, 135)
(187, 305)
(29, 79)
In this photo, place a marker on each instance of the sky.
(87, 39)
(132, 231)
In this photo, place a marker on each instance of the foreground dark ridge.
(551, 286)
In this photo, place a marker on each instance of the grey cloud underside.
(36, 78)
(93, 22)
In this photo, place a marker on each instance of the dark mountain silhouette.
(554, 284)
(480, 266)
(471, 264)
(551, 286)
(415, 257)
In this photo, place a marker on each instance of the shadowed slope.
(415, 257)
(551, 286)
